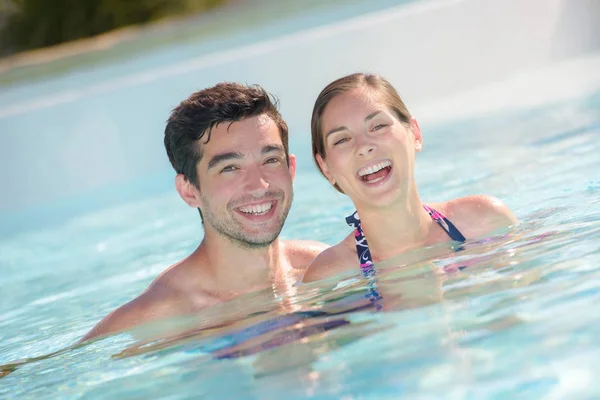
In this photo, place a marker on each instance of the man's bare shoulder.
(167, 296)
(477, 215)
(332, 261)
(300, 253)
(155, 303)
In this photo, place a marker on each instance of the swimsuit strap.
(445, 224)
(364, 256)
(362, 248)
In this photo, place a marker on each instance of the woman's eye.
(378, 127)
(342, 140)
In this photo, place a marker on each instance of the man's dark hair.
(195, 117)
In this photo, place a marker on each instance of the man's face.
(245, 182)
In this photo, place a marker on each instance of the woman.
(364, 142)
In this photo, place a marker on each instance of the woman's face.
(370, 154)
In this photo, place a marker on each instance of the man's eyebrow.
(219, 158)
(272, 148)
(341, 128)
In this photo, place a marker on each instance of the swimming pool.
(520, 321)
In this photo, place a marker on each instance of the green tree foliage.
(31, 24)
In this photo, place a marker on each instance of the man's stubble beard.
(231, 229)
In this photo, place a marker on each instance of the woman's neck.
(398, 227)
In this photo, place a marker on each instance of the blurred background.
(86, 86)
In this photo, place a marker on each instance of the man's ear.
(416, 131)
(188, 191)
(292, 166)
(325, 169)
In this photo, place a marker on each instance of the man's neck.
(234, 268)
(396, 228)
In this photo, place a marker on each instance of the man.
(229, 147)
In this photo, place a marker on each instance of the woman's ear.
(325, 169)
(416, 131)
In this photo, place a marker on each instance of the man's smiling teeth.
(257, 209)
(373, 168)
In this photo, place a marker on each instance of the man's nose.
(255, 183)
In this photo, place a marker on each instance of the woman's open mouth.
(375, 173)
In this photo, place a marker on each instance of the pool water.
(520, 321)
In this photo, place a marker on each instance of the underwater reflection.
(314, 310)
(295, 326)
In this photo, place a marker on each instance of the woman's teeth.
(373, 168)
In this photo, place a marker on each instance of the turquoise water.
(521, 321)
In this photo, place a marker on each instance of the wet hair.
(196, 116)
(371, 82)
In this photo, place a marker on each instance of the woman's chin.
(381, 199)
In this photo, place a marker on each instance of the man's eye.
(272, 160)
(229, 168)
(342, 140)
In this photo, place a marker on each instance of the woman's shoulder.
(333, 260)
(476, 215)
